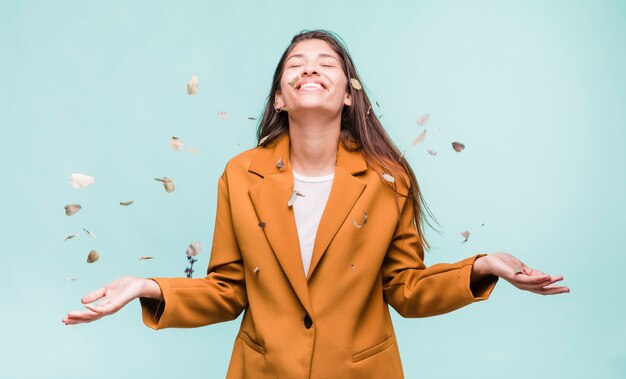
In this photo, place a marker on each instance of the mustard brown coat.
(335, 322)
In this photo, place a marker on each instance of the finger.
(552, 290)
(103, 308)
(524, 279)
(93, 296)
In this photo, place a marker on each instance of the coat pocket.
(253, 345)
(372, 350)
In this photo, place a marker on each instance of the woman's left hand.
(517, 273)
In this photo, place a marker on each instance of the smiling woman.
(314, 284)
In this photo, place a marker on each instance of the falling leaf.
(194, 249)
(423, 119)
(483, 224)
(93, 256)
(168, 184)
(251, 118)
(81, 180)
(368, 110)
(70, 279)
(126, 203)
(364, 221)
(465, 235)
(518, 270)
(145, 257)
(294, 82)
(223, 115)
(389, 178)
(70, 209)
(71, 236)
(420, 138)
(261, 224)
(432, 152)
(263, 140)
(176, 143)
(192, 150)
(280, 164)
(458, 146)
(256, 269)
(293, 198)
(356, 84)
(352, 267)
(192, 86)
(90, 233)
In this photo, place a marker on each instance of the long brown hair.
(361, 129)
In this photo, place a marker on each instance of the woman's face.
(313, 78)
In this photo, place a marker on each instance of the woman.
(318, 230)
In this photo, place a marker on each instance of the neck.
(313, 145)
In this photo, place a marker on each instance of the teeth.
(311, 85)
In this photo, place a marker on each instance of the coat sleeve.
(219, 296)
(415, 290)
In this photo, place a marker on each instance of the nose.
(309, 69)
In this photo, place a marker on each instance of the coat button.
(308, 322)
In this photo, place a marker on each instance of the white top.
(308, 210)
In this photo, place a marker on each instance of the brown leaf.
(432, 152)
(251, 118)
(192, 86)
(126, 203)
(458, 146)
(90, 233)
(93, 256)
(423, 119)
(71, 236)
(465, 235)
(280, 164)
(176, 143)
(145, 257)
(359, 226)
(356, 84)
(168, 184)
(294, 82)
(71, 209)
(518, 270)
(261, 224)
(293, 198)
(81, 180)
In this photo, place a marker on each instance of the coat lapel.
(270, 196)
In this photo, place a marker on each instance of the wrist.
(150, 289)
(480, 268)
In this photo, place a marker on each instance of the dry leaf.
(432, 152)
(223, 115)
(368, 110)
(81, 180)
(465, 235)
(293, 198)
(294, 82)
(356, 84)
(378, 105)
(458, 146)
(261, 224)
(70, 209)
(420, 138)
(423, 119)
(364, 221)
(251, 118)
(518, 270)
(389, 178)
(168, 184)
(145, 257)
(126, 203)
(194, 249)
(263, 140)
(280, 164)
(256, 269)
(93, 256)
(71, 236)
(352, 267)
(176, 143)
(192, 150)
(90, 233)
(192, 86)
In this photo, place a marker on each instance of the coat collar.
(271, 195)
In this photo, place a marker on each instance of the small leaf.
(71, 236)
(256, 269)
(70, 279)
(263, 140)
(293, 198)
(352, 267)
(423, 119)
(356, 84)
(389, 178)
(192, 150)
(359, 226)
(168, 184)
(71, 209)
(294, 82)
(280, 164)
(261, 224)
(518, 270)
(458, 146)
(145, 257)
(176, 143)
(126, 203)
(90, 233)
(465, 235)
(378, 105)
(93, 256)
(192, 86)
(251, 118)
(81, 180)
(432, 152)
(368, 110)
(223, 115)
(420, 138)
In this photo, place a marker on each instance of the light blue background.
(535, 89)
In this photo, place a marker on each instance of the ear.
(347, 100)
(278, 99)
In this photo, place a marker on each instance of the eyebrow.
(321, 55)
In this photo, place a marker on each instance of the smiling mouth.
(311, 86)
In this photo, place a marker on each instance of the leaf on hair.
(356, 84)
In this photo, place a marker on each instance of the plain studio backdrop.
(534, 89)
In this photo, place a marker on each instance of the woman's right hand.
(112, 298)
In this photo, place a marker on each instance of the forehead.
(313, 47)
